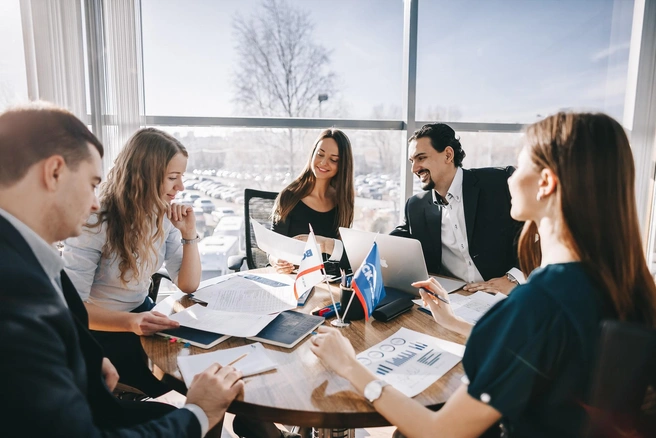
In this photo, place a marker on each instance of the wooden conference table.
(296, 393)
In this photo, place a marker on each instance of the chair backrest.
(258, 205)
(622, 396)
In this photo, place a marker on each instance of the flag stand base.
(339, 324)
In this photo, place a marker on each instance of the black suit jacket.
(50, 366)
(491, 232)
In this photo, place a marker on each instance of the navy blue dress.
(532, 354)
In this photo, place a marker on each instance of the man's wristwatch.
(374, 389)
(189, 241)
(511, 278)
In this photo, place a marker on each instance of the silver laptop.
(402, 260)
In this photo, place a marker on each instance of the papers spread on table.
(256, 361)
(411, 361)
(226, 323)
(279, 246)
(471, 308)
(249, 293)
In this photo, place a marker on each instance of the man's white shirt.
(456, 260)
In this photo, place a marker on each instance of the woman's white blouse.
(97, 278)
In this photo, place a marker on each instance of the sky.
(478, 60)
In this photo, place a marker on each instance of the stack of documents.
(470, 308)
(256, 361)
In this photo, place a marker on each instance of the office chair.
(622, 398)
(258, 205)
(155, 280)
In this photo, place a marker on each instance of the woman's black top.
(531, 355)
(323, 223)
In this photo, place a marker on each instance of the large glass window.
(283, 58)
(518, 61)
(13, 83)
(225, 161)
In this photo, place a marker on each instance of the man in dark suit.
(463, 218)
(56, 381)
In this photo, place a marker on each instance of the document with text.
(470, 308)
(249, 293)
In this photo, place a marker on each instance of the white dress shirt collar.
(455, 189)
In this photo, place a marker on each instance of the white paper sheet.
(411, 361)
(257, 361)
(173, 398)
(471, 308)
(239, 294)
(225, 323)
(280, 246)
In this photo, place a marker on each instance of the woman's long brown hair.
(591, 156)
(342, 183)
(131, 202)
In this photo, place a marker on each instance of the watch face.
(373, 390)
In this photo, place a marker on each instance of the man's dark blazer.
(491, 232)
(50, 366)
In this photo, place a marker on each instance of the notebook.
(198, 338)
(255, 361)
(288, 329)
(402, 259)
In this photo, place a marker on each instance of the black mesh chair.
(258, 205)
(622, 398)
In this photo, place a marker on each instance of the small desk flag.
(310, 271)
(368, 282)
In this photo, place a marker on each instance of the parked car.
(214, 253)
(232, 226)
(206, 204)
(218, 213)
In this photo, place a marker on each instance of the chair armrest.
(235, 262)
(155, 280)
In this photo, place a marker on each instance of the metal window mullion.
(410, 20)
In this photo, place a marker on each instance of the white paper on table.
(242, 325)
(279, 246)
(238, 294)
(173, 398)
(257, 361)
(411, 361)
(165, 307)
(471, 308)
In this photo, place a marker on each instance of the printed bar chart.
(402, 358)
(429, 358)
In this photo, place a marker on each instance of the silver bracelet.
(190, 241)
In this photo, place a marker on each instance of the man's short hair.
(441, 136)
(36, 131)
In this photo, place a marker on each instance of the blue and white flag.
(368, 282)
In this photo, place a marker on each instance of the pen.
(238, 359)
(435, 295)
(329, 309)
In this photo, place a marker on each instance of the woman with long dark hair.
(137, 230)
(322, 195)
(529, 358)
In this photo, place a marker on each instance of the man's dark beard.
(428, 185)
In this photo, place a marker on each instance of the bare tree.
(281, 71)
